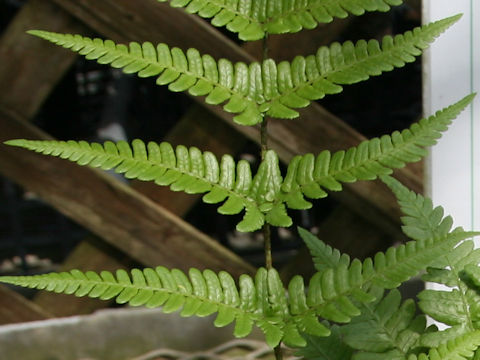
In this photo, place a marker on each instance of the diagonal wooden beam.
(90, 254)
(14, 308)
(124, 20)
(25, 88)
(121, 216)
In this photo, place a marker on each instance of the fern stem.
(462, 290)
(266, 227)
(264, 136)
(268, 246)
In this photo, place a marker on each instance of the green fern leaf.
(422, 220)
(460, 348)
(261, 301)
(312, 77)
(251, 91)
(253, 19)
(324, 256)
(187, 170)
(386, 329)
(326, 348)
(190, 71)
(457, 307)
(312, 176)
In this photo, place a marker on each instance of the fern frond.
(259, 301)
(200, 75)
(251, 91)
(457, 307)
(312, 176)
(252, 20)
(312, 77)
(326, 348)
(460, 348)
(387, 270)
(333, 293)
(198, 294)
(265, 196)
(386, 329)
(187, 170)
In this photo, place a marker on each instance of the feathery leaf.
(312, 176)
(251, 91)
(187, 170)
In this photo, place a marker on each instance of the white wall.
(451, 71)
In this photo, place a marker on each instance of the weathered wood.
(14, 308)
(26, 83)
(24, 88)
(90, 254)
(112, 210)
(124, 21)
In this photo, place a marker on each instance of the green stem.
(264, 136)
(266, 228)
(268, 246)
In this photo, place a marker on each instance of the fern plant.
(349, 309)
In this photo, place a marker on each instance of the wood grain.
(25, 88)
(14, 308)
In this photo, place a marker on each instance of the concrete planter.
(109, 335)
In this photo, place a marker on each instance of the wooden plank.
(109, 208)
(124, 21)
(26, 83)
(24, 88)
(14, 308)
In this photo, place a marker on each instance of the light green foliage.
(187, 170)
(387, 329)
(258, 89)
(323, 255)
(457, 305)
(311, 175)
(260, 301)
(338, 293)
(253, 19)
(364, 317)
(331, 348)
(461, 348)
(266, 195)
